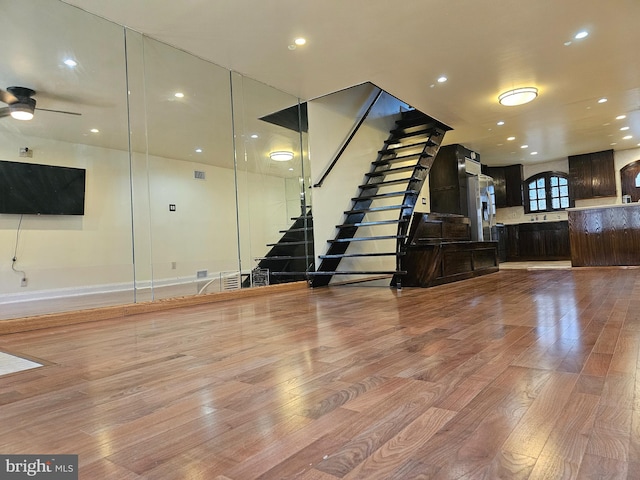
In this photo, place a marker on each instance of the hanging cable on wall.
(15, 255)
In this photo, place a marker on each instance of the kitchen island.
(605, 235)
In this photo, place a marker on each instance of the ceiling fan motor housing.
(21, 93)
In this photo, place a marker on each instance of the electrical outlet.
(23, 282)
(174, 265)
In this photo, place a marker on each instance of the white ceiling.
(484, 47)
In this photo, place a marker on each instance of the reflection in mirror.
(177, 202)
(275, 223)
(185, 227)
(75, 64)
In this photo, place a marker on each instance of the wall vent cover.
(201, 274)
(198, 174)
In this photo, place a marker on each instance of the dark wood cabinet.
(592, 175)
(507, 184)
(513, 184)
(448, 180)
(538, 241)
(513, 252)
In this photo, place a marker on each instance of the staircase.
(287, 260)
(380, 214)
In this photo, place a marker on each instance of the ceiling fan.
(21, 104)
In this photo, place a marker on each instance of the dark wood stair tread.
(389, 182)
(401, 158)
(373, 254)
(372, 223)
(385, 195)
(284, 243)
(371, 272)
(365, 239)
(382, 173)
(376, 209)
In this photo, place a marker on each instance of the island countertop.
(613, 205)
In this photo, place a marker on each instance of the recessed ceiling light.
(534, 153)
(524, 146)
(602, 100)
(300, 41)
(281, 156)
(198, 150)
(511, 138)
(581, 35)
(254, 136)
(442, 79)
(624, 128)
(291, 169)
(70, 62)
(613, 143)
(518, 96)
(621, 117)
(500, 123)
(566, 44)
(178, 95)
(94, 130)
(627, 137)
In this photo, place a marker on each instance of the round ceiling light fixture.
(23, 108)
(518, 96)
(281, 156)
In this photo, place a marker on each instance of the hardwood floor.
(515, 375)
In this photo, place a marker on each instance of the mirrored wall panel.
(144, 173)
(274, 207)
(65, 191)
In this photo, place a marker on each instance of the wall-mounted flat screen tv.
(28, 188)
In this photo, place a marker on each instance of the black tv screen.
(28, 188)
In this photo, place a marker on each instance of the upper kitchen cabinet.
(507, 182)
(592, 175)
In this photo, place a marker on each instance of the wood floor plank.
(515, 375)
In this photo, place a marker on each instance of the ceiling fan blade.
(8, 98)
(4, 112)
(58, 111)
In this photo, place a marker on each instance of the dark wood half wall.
(605, 236)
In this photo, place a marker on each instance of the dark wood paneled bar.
(603, 236)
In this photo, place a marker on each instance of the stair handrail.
(347, 141)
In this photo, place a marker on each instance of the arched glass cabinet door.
(630, 180)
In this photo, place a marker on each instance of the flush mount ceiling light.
(518, 96)
(281, 156)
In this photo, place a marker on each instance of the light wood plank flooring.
(514, 375)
